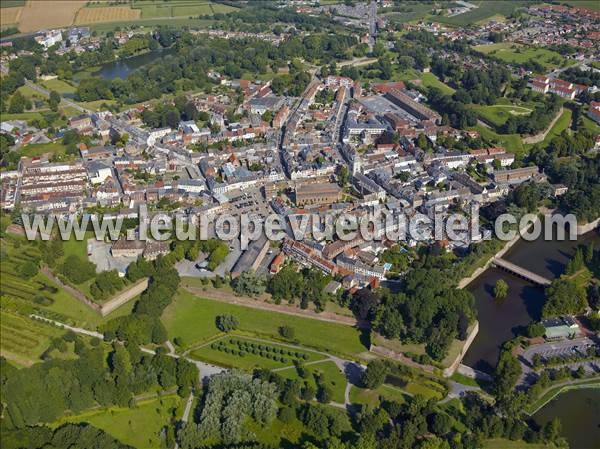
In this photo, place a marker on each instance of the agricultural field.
(5, 4)
(106, 14)
(39, 294)
(36, 14)
(139, 427)
(247, 354)
(10, 16)
(22, 339)
(180, 8)
(518, 54)
(486, 9)
(192, 319)
(409, 12)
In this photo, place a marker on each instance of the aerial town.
(131, 111)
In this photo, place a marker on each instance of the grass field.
(106, 14)
(518, 54)
(228, 351)
(37, 149)
(193, 320)
(62, 87)
(139, 427)
(512, 142)
(485, 10)
(373, 398)
(22, 339)
(498, 114)
(589, 4)
(426, 79)
(561, 124)
(149, 23)
(332, 376)
(410, 12)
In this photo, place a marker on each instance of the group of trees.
(196, 56)
(74, 436)
(427, 310)
(144, 325)
(166, 115)
(538, 120)
(98, 376)
(306, 285)
(229, 401)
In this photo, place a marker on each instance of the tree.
(375, 374)
(226, 323)
(535, 329)
(287, 332)
(249, 283)
(501, 289)
(343, 176)
(54, 100)
(17, 104)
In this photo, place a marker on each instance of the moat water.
(502, 320)
(579, 414)
(124, 67)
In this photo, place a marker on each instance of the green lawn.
(518, 54)
(332, 377)
(427, 80)
(37, 149)
(372, 398)
(59, 86)
(193, 320)
(561, 124)
(512, 142)
(139, 427)
(498, 114)
(226, 352)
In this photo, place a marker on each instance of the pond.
(122, 68)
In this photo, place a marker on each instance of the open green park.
(518, 54)
(328, 371)
(139, 426)
(191, 320)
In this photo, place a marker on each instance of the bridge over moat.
(521, 272)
